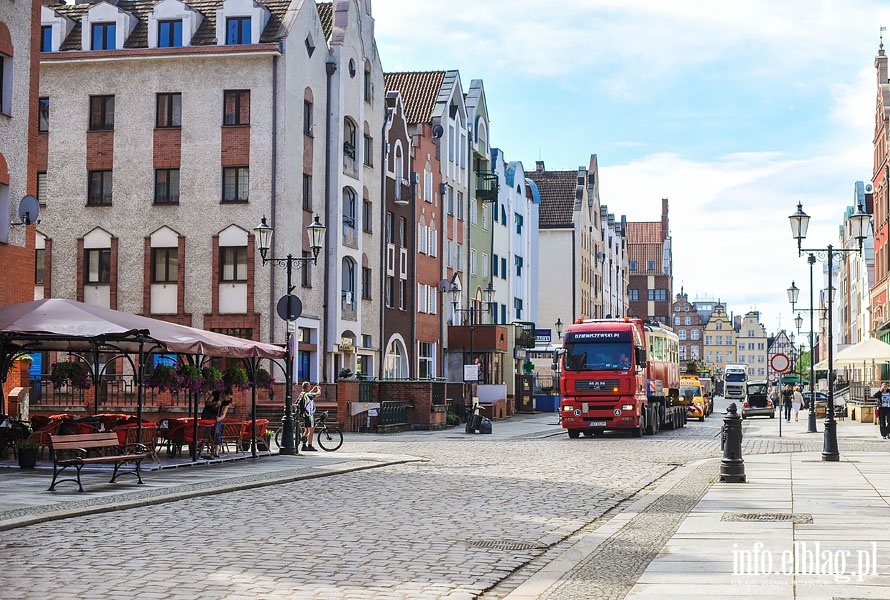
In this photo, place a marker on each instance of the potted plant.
(345, 373)
(164, 378)
(26, 451)
(190, 378)
(74, 373)
(349, 150)
(235, 378)
(264, 379)
(211, 380)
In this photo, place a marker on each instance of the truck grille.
(596, 385)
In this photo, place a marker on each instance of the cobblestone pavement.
(456, 525)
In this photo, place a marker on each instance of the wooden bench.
(72, 450)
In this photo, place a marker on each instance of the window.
(403, 232)
(236, 107)
(101, 112)
(460, 206)
(424, 360)
(307, 192)
(688, 321)
(695, 334)
(237, 30)
(169, 110)
(633, 265)
(349, 212)
(349, 139)
(681, 334)
(494, 265)
(235, 184)
(422, 238)
(39, 266)
(450, 192)
(503, 267)
(472, 261)
(651, 265)
(729, 340)
(366, 283)
(307, 117)
(519, 222)
(99, 188)
(310, 46)
(43, 114)
(103, 36)
(98, 265)
(164, 265)
(474, 212)
(368, 87)
(708, 340)
(427, 184)
(366, 216)
(485, 265)
(657, 294)
(486, 216)
(633, 295)
(518, 260)
(390, 223)
(306, 273)
(719, 341)
(41, 187)
(676, 320)
(169, 34)
(517, 308)
(233, 263)
(403, 293)
(167, 186)
(46, 38)
(5, 85)
(388, 291)
(368, 153)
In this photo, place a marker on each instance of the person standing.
(216, 409)
(796, 402)
(883, 396)
(787, 401)
(307, 412)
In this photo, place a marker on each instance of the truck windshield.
(735, 377)
(598, 356)
(694, 390)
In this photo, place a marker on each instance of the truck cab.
(693, 396)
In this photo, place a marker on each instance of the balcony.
(486, 186)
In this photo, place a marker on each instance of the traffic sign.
(780, 363)
(289, 307)
(772, 377)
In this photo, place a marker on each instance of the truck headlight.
(627, 407)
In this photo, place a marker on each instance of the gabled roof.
(557, 191)
(204, 36)
(419, 90)
(644, 232)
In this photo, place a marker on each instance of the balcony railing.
(486, 186)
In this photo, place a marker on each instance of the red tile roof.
(557, 190)
(419, 91)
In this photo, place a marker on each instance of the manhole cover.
(797, 519)
(505, 545)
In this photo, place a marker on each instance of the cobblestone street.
(478, 515)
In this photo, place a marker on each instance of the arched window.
(349, 208)
(347, 295)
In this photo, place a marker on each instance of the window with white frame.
(484, 266)
(434, 239)
(425, 364)
(472, 261)
(422, 297)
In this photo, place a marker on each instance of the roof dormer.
(54, 29)
(106, 27)
(172, 24)
(240, 22)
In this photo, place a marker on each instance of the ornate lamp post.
(289, 308)
(858, 227)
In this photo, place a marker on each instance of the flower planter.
(27, 457)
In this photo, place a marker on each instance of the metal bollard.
(732, 467)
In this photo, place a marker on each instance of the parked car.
(822, 400)
(757, 400)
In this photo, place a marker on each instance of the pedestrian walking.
(787, 401)
(796, 402)
(883, 396)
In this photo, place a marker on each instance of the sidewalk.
(799, 528)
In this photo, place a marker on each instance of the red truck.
(620, 374)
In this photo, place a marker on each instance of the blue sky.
(735, 112)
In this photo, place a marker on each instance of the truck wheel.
(637, 432)
(574, 433)
(701, 419)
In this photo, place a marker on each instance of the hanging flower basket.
(190, 378)
(235, 378)
(164, 379)
(74, 373)
(264, 380)
(211, 380)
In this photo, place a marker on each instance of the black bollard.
(732, 467)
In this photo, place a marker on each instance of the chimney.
(881, 65)
(539, 166)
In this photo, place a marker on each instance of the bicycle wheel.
(329, 438)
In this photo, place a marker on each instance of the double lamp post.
(289, 309)
(858, 225)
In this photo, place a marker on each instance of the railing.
(365, 391)
(393, 413)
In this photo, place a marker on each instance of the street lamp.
(289, 308)
(793, 292)
(858, 224)
(559, 326)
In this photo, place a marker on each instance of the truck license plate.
(597, 424)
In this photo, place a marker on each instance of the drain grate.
(797, 519)
(505, 545)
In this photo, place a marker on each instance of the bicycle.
(329, 437)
